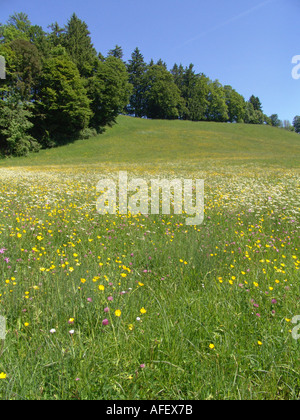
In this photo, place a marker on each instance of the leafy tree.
(217, 109)
(15, 126)
(17, 27)
(56, 36)
(160, 62)
(256, 103)
(63, 108)
(275, 121)
(267, 120)
(136, 69)
(296, 123)
(186, 81)
(162, 96)
(178, 74)
(78, 44)
(26, 67)
(109, 91)
(194, 90)
(117, 52)
(236, 105)
(253, 116)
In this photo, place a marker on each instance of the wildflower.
(3, 375)
(118, 313)
(211, 346)
(53, 331)
(259, 343)
(143, 311)
(26, 324)
(71, 321)
(130, 326)
(101, 287)
(105, 322)
(71, 332)
(142, 366)
(106, 309)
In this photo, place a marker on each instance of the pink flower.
(106, 309)
(110, 298)
(105, 322)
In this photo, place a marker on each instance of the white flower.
(71, 332)
(138, 318)
(53, 331)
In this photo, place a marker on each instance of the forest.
(58, 88)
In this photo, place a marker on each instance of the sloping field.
(151, 142)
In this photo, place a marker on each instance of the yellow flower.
(3, 375)
(211, 346)
(101, 287)
(143, 311)
(118, 312)
(83, 281)
(259, 343)
(26, 324)
(130, 326)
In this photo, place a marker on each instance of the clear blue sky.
(248, 44)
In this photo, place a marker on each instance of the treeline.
(59, 88)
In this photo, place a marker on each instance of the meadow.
(133, 307)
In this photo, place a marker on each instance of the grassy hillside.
(138, 141)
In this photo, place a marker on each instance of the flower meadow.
(144, 306)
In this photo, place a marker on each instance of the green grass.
(219, 297)
(148, 142)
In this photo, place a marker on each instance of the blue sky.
(248, 44)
